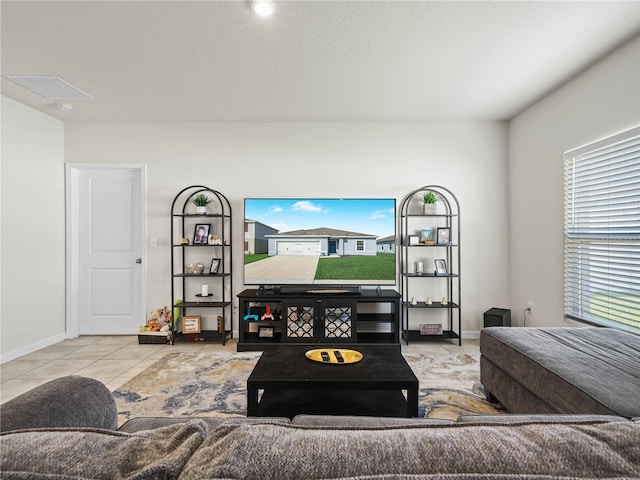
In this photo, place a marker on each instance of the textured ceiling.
(334, 61)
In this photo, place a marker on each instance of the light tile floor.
(116, 359)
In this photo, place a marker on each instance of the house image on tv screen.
(386, 244)
(321, 242)
(255, 236)
(261, 238)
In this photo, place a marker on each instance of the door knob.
(138, 260)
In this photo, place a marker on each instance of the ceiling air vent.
(50, 86)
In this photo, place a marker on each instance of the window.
(602, 232)
(359, 245)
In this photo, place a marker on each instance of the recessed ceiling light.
(264, 8)
(52, 87)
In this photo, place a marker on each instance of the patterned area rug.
(214, 385)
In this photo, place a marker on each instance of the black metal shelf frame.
(181, 221)
(451, 252)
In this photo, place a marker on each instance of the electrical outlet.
(530, 307)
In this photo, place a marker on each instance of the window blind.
(602, 232)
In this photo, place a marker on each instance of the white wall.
(333, 160)
(511, 213)
(32, 305)
(602, 101)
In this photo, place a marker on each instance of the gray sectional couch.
(67, 429)
(562, 370)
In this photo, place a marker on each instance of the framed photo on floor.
(191, 324)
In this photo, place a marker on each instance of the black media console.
(270, 317)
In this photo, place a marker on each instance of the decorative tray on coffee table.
(336, 356)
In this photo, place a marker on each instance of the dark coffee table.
(292, 384)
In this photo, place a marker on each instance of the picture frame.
(215, 265)
(201, 233)
(414, 240)
(266, 332)
(426, 236)
(430, 329)
(441, 266)
(190, 324)
(444, 236)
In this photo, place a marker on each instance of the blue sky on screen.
(370, 216)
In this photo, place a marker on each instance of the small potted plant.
(429, 205)
(201, 201)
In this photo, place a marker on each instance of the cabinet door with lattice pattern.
(299, 321)
(337, 321)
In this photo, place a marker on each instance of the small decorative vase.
(429, 208)
(201, 210)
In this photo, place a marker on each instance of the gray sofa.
(67, 429)
(562, 370)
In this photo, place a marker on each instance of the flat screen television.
(320, 241)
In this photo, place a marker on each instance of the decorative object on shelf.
(441, 266)
(429, 203)
(265, 332)
(413, 301)
(337, 356)
(426, 237)
(220, 325)
(414, 240)
(191, 324)
(214, 239)
(203, 298)
(428, 301)
(430, 329)
(444, 301)
(267, 314)
(201, 234)
(444, 236)
(204, 290)
(194, 268)
(215, 265)
(418, 267)
(250, 316)
(184, 241)
(201, 201)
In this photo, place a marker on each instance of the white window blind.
(602, 232)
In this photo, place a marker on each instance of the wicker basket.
(153, 337)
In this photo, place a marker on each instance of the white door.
(106, 236)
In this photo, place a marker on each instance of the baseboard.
(46, 342)
(474, 334)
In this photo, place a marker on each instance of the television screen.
(320, 241)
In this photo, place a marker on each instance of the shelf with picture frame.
(201, 266)
(430, 265)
